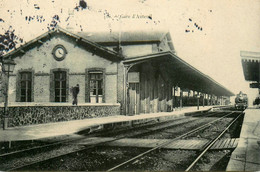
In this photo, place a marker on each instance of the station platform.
(246, 156)
(40, 131)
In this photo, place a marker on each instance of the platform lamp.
(7, 67)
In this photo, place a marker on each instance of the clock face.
(59, 52)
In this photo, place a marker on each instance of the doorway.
(134, 98)
(133, 95)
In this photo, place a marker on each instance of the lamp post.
(7, 68)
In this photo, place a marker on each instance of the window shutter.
(103, 86)
(87, 91)
(18, 87)
(52, 86)
(32, 86)
(67, 85)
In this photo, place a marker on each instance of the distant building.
(251, 68)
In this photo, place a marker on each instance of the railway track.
(210, 144)
(107, 133)
(83, 148)
(167, 143)
(45, 148)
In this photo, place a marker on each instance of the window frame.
(87, 83)
(18, 84)
(52, 84)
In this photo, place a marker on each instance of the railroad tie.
(188, 144)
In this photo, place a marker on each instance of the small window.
(96, 87)
(26, 86)
(60, 82)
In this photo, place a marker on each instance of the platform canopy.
(180, 73)
(251, 67)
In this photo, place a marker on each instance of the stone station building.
(124, 73)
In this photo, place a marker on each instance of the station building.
(124, 73)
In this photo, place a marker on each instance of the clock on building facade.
(59, 52)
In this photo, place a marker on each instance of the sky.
(209, 35)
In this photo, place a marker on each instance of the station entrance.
(133, 93)
(134, 98)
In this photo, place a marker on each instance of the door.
(134, 98)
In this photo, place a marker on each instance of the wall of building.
(31, 115)
(163, 46)
(155, 91)
(136, 50)
(111, 88)
(144, 49)
(2, 89)
(141, 49)
(120, 84)
(41, 61)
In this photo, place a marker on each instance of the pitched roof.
(124, 37)
(91, 46)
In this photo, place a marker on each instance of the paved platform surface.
(40, 131)
(246, 157)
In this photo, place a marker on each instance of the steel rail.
(151, 130)
(37, 147)
(68, 141)
(47, 145)
(169, 142)
(212, 143)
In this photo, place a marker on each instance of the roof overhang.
(88, 45)
(251, 64)
(182, 74)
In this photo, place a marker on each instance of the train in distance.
(257, 101)
(241, 101)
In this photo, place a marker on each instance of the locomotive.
(257, 101)
(241, 101)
